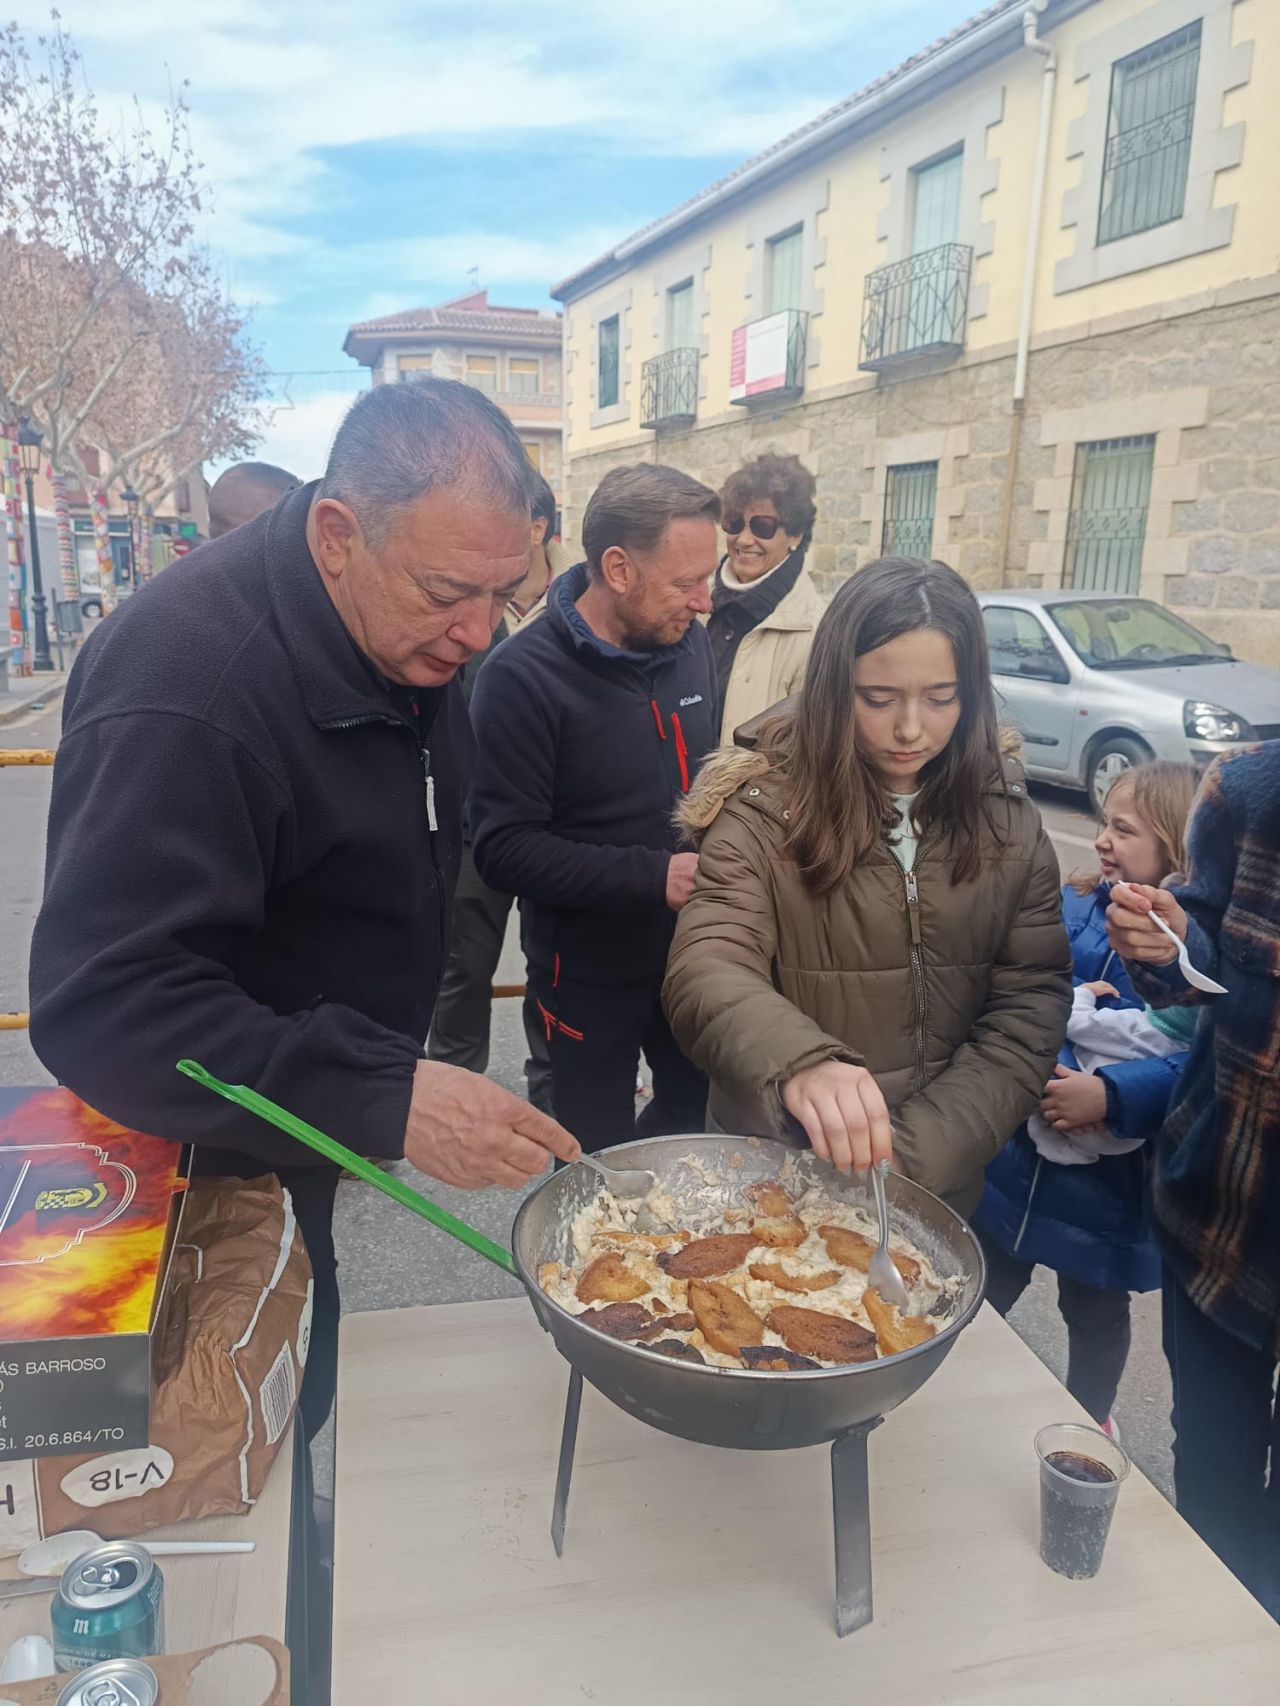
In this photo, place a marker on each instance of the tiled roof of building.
(465, 314)
(715, 191)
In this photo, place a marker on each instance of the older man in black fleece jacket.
(257, 821)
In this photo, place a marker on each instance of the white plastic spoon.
(50, 1557)
(29, 1659)
(1197, 979)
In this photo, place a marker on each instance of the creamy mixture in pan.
(775, 1281)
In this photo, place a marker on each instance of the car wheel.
(91, 607)
(1112, 756)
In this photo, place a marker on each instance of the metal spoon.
(882, 1274)
(626, 1183)
(50, 1557)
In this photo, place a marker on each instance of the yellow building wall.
(856, 198)
(1254, 250)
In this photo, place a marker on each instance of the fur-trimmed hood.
(722, 774)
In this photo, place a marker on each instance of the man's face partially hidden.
(428, 599)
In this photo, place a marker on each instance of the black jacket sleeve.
(163, 836)
(511, 807)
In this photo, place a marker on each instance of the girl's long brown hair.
(1162, 795)
(839, 806)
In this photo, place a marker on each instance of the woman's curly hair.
(785, 482)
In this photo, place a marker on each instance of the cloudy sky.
(364, 156)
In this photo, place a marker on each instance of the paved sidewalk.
(30, 692)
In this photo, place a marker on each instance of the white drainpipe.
(1048, 82)
(1035, 220)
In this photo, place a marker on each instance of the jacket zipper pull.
(682, 752)
(913, 905)
(432, 825)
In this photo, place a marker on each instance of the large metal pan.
(736, 1407)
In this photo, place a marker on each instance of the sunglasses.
(763, 526)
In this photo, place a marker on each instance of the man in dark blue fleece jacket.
(257, 820)
(591, 723)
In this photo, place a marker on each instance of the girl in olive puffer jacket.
(876, 925)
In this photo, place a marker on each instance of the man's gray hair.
(400, 441)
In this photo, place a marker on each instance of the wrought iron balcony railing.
(669, 389)
(916, 307)
(768, 356)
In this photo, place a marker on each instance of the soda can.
(118, 1682)
(109, 1605)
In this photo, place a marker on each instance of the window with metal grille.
(910, 497)
(1107, 527)
(482, 372)
(522, 374)
(680, 316)
(783, 259)
(1153, 105)
(607, 363)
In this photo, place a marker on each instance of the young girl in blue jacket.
(1088, 1217)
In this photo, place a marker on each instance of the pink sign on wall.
(758, 357)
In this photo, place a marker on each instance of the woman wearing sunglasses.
(764, 604)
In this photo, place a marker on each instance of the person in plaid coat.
(1217, 1172)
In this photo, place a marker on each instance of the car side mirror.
(1044, 669)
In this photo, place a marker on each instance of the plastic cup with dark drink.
(1080, 1474)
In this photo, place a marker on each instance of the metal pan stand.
(850, 1508)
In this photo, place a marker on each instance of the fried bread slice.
(548, 1274)
(726, 1320)
(894, 1331)
(706, 1257)
(609, 1280)
(774, 1359)
(773, 1273)
(623, 1320)
(666, 1324)
(771, 1200)
(852, 1250)
(677, 1349)
(644, 1241)
(830, 1338)
(785, 1234)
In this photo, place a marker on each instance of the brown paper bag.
(226, 1369)
(215, 1676)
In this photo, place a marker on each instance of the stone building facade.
(1064, 334)
(1204, 379)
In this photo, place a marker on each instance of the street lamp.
(131, 500)
(30, 439)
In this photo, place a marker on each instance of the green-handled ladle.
(332, 1150)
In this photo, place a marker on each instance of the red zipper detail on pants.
(682, 752)
(551, 1023)
(555, 973)
(657, 717)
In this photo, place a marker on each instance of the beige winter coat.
(955, 997)
(771, 659)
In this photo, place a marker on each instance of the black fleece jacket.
(584, 751)
(240, 865)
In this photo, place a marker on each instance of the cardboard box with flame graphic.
(87, 1218)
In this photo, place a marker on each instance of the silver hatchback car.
(1099, 681)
